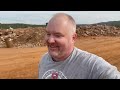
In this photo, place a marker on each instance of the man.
(64, 61)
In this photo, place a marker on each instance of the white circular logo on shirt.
(53, 74)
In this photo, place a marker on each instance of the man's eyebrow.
(53, 32)
(57, 33)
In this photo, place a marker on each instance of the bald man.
(65, 61)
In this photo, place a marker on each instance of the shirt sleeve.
(101, 69)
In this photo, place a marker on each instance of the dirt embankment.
(33, 37)
(22, 37)
(98, 30)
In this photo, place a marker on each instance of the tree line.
(111, 23)
(18, 25)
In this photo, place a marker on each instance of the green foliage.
(18, 25)
(111, 23)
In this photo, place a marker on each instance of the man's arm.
(101, 69)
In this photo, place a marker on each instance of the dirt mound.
(33, 37)
(98, 30)
(23, 37)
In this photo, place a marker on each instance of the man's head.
(60, 36)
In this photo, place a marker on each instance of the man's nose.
(51, 39)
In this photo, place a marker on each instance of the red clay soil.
(22, 63)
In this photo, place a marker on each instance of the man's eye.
(57, 35)
(48, 34)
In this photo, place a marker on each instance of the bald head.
(60, 36)
(62, 18)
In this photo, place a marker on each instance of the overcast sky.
(41, 17)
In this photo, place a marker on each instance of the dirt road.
(22, 63)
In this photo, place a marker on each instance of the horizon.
(46, 22)
(42, 17)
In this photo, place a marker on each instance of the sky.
(42, 17)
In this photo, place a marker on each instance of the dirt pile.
(98, 30)
(25, 37)
(33, 37)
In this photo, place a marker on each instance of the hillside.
(110, 23)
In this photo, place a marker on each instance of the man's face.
(58, 39)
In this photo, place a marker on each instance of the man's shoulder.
(44, 58)
(45, 55)
(81, 52)
(86, 55)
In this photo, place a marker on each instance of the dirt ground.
(22, 63)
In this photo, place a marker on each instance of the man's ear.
(74, 36)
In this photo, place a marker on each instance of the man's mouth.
(53, 47)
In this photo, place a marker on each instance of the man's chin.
(53, 54)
